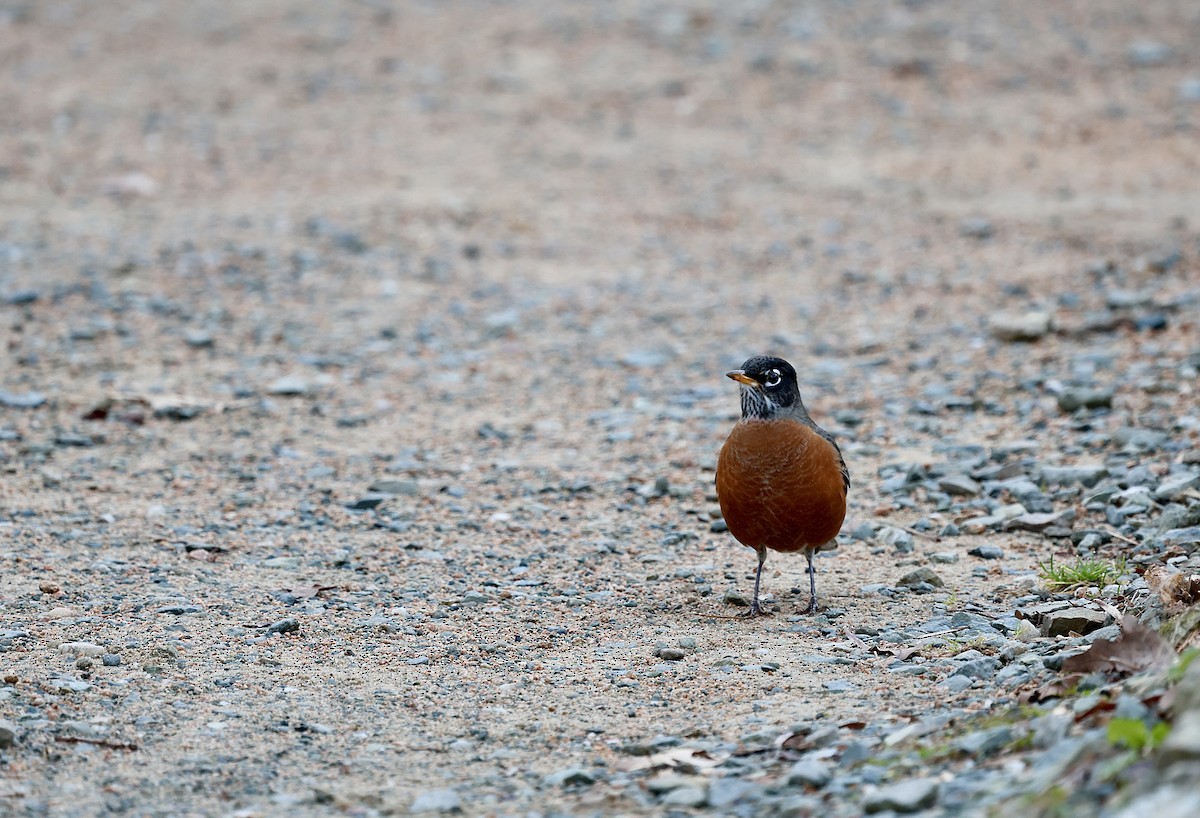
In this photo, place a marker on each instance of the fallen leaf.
(681, 759)
(1138, 648)
(1176, 590)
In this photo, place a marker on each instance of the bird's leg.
(812, 583)
(755, 609)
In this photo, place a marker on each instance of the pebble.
(289, 385)
(570, 777)
(1073, 620)
(960, 485)
(987, 552)
(921, 575)
(440, 800)
(396, 487)
(21, 400)
(1028, 326)
(1086, 475)
(286, 625)
(1070, 400)
(810, 772)
(905, 797)
(8, 734)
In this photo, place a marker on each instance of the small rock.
(289, 385)
(287, 625)
(1070, 400)
(1183, 742)
(8, 734)
(984, 667)
(366, 502)
(22, 400)
(408, 488)
(570, 777)
(985, 742)
(920, 575)
(111, 660)
(1073, 620)
(1176, 484)
(281, 562)
(1149, 53)
(987, 552)
(1041, 521)
(810, 772)
(1084, 474)
(975, 227)
(898, 538)
(686, 797)
(1028, 326)
(443, 800)
(198, 338)
(838, 685)
(670, 654)
(905, 797)
(944, 557)
(959, 485)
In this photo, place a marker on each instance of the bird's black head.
(769, 387)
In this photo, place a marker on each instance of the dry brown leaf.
(1138, 648)
(1176, 590)
(681, 759)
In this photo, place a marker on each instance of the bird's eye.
(772, 379)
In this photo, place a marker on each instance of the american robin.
(781, 478)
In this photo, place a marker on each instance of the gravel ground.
(362, 388)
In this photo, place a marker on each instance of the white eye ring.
(773, 378)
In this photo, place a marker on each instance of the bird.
(781, 479)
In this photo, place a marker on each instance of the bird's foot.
(812, 606)
(755, 610)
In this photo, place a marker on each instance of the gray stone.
(975, 227)
(1183, 742)
(1174, 485)
(810, 772)
(289, 385)
(1028, 326)
(1149, 53)
(21, 400)
(570, 777)
(957, 684)
(366, 502)
(987, 552)
(281, 562)
(111, 659)
(985, 742)
(723, 792)
(984, 667)
(905, 797)
(959, 485)
(1083, 474)
(670, 654)
(1038, 522)
(404, 487)
(920, 575)
(287, 625)
(1188, 89)
(1179, 801)
(799, 806)
(441, 800)
(686, 797)
(8, 734)
(1073, 620)
(1074, 398)
(1135, 439)
(1181, 536)
(944, 557)
(898, 538)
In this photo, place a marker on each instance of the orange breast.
(779, 484)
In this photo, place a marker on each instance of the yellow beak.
(740, 376)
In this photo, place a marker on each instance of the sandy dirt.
(503, 253)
